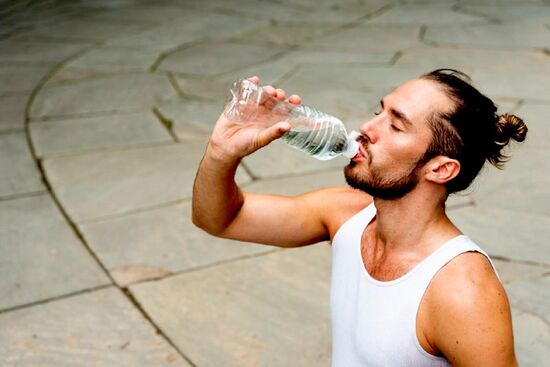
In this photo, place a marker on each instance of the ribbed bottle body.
(321, 135)
(314, 132)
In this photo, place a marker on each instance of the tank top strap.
(356, 224)
(442, 256)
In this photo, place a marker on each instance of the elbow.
(206, 226)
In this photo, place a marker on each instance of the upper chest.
(383, 264)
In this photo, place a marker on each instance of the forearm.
(216, 197)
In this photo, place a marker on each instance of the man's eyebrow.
(397, 114)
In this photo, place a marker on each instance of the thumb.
(273, 132)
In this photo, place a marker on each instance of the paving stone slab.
(433, 14)
(282, 68)
(92, 133)
(13, 112)
(506, 233)
(522, 185)
(471, 59)
(59, 263)
(269, 303)
(140, 13)
(531, 296)
(19, 172)
(352, 77)
(212, 58)
(524, 84)
(37, 51)
(518, 13)
(192, 118)
(532, 339)
(536, 118)
(325, 12)
(513, 271)
(100, 328)
(269, 72)
(108, 59)
(343, 6)
(370, 38)
(110, 93)
(158, 242)
(281, 34)
(504, 2)
(214, 89)
(196, 25)
(313, 56)
(17, 78)
(109, 183)
(508, 36)
(83, 29)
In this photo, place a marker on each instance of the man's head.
(436, 129)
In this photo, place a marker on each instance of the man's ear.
(442, 169)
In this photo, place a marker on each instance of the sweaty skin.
(470, 325)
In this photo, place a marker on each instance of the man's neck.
(416, 221)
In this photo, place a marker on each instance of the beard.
(375, 184)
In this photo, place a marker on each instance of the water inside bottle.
(323, 143)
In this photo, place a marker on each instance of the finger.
(268, 93)
(273, 132)
(280, 94)
(270, 90)
(295, 99)
(254, 79)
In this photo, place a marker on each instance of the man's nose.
(368, 130)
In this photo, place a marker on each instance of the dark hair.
(471, 132)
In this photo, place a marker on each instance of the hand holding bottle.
(233, 138)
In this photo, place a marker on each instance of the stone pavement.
(106, 107)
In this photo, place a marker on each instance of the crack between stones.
(422, 37)
(85, 115)
(164, 54)
(395, 57)
(188, 199)
(23, 195)
(166, 122)
(249, 172)
(111, 149)
(457, 8)
(13, 130)
(56, 298)
(39, 86)
(523, 262)
(217, 263)
(130, 296)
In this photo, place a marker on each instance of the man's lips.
(360, 154)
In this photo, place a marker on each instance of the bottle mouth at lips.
(352, 145)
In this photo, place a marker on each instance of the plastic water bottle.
(321, 135)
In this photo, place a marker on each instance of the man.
(408, 288)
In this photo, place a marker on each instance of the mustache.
(364, 141)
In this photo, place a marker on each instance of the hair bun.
(510, 127)
(507, 127)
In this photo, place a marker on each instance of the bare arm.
(472, 323)
(222, 209)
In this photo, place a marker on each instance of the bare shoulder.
(338, 204)
(469, 313)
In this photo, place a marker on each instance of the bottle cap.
(352, 146)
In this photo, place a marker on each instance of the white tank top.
(374, 322)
